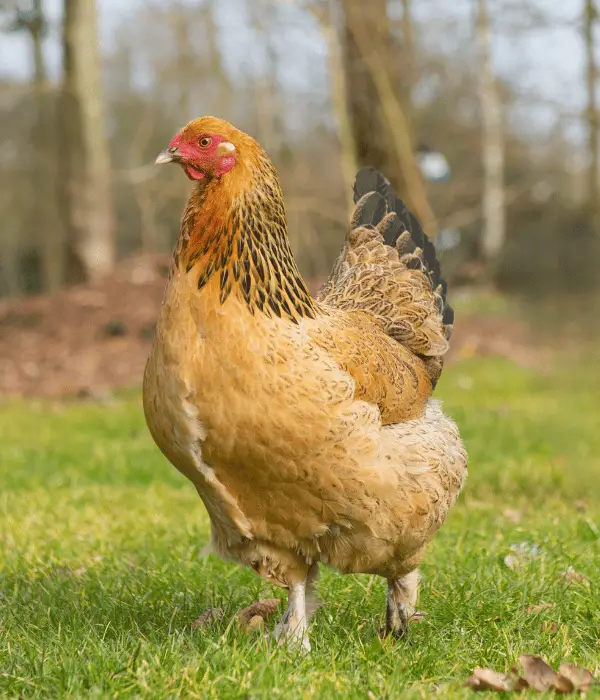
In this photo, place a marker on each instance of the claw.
(296, 638)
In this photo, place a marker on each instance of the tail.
(389, 268)
(403, 233)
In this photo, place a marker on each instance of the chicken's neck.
(239, 234)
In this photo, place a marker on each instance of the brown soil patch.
(90, 340)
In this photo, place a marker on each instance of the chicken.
(305, 423)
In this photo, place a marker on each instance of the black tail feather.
(375, 209)
(371, 211)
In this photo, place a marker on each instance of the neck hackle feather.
(234, 227)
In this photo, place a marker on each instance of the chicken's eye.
(205, 141)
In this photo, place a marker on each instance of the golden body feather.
(305, 424)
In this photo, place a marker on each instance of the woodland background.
(326, 86)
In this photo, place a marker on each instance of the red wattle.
(193, 174)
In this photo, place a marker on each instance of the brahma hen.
(305, 423)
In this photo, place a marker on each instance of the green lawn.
(102, 572)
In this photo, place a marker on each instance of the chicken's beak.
(165, 157)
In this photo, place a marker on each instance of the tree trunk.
(408, 50)
(494, 227)
(224, 88)
(368, 123)
(381, 127)
(85, 183)
(592, 111)
(184, 59)
(49, 242)
(328, 19)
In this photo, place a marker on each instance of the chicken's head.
(203, 148)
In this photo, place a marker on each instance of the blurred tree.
(269, 105)
(179, 19)
(382, 129)
(589, 21)
(328, 16)
(494, 227)
(409, 54)
(85, 181)
(272, 76)
(30, 19)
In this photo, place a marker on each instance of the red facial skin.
(200, 161)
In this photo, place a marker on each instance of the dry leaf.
(515, 516)
(493, 619)
(256, 622)
(581, 505)
(540, 676)
(542, 605)
(263, 609)
(488, 679)
(574, 576)
(537, 674)
(207, 618)
(549, 627)
(581, 678)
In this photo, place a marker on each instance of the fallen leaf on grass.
(207, 618)
(537, 675)
(573, 576)
(256, 622)
(261, 609)
(581, 678)
(515, 516)
(581, 505)
(540, 676)
(549, 627)
(488, 679)
(542, 605)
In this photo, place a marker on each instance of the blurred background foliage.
(505, 91)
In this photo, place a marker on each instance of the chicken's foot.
(401, 601)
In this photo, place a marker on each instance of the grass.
(102, 573)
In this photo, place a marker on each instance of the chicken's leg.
(313, 601)
(401, 601)
(293, 628)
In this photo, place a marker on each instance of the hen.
(305, 423)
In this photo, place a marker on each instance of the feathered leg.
(313, 601)
(401, 601)
(302, 603)
(293, 628)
